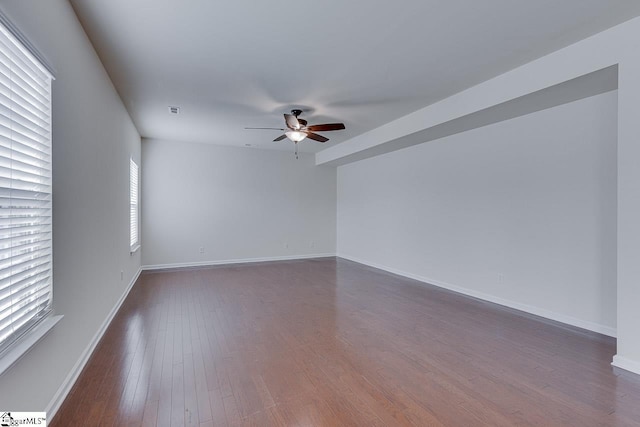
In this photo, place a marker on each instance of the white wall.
(236, 203)
(93, 138)
(521, 212)
(628, 343)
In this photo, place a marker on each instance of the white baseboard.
(583, 324)
(626, 364)
(65, 388)
(233, 261)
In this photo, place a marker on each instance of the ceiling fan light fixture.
(295, 135)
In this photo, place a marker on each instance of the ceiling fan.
(297, 128)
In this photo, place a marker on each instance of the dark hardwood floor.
(328, 343)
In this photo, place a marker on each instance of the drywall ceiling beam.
(591, 84)
(592, 54)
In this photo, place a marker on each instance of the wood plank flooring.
(332, 343)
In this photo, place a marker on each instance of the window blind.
(133, 193)
(25, 189)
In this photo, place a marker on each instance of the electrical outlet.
(500, 279)
(201, 249)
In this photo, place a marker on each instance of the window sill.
(134, 249)
(22, 346)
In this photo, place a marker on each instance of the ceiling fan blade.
(280, 138)
(326, 127)
(268, 128)
(316, 137)
(292, 121)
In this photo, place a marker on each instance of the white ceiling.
(232, 64)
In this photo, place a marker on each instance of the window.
(25, 190)
(133, 205)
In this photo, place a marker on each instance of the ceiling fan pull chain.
(296, 144)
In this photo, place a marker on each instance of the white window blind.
(25, 189)
(133, 193)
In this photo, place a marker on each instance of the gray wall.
(521, 212)
(93, 138)
(236, 203)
